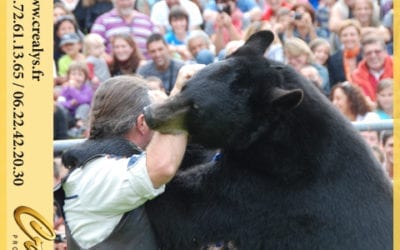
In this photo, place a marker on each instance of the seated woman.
(126, 55)
(352, 103)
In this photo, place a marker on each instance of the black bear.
(293, 173)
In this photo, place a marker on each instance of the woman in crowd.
(302, 24)
(126, 55)
(351, 102)
(344, 61)
(363, 12)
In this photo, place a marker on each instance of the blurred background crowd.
(344, 47)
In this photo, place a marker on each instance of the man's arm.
(165, 151)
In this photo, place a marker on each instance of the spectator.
(124, 19)
(249, 8)
(343, 62)
(275, 50)
(227, 25)
(76, 8)
(298, 55)
(175, 38)
(387, 146)
(94, 51)
(351, 102)
(302, 24)
(59, 10)
(376, 65)
(384, 98)
(322, 14)
(284, 19)
(342, 10)
(71, 45)
(126, 55)
(161, 9)
(371, 137)
(321, 49)
(60, 117)
(108, 217)
(77, 96)
(161, 65)
(363, 12)
(155, 83)
(198, 41)
(95, 8)
(387, 22)
(311, 73)
(271, 9)
(64, 25)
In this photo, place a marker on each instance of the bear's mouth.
(166, 118)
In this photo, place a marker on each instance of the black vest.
(134, 230)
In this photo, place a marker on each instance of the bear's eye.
(195, 106)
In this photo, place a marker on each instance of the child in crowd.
(384, 98)
(76, 97)
(71, 45)
(321, 49)
(175, 38)
(94, 51)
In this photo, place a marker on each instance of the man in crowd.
(124, 19)
(161, 64)
(376, 65)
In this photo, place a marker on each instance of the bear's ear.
(257, 43)
(286, 99)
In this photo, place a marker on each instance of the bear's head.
(228, 104)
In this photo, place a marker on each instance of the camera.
(224, 7)
(297, 16)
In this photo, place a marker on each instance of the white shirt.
(160, 11)
(98, 195)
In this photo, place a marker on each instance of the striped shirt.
(111, 23)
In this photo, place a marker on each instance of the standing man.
(161, 64)
(376, 65)
(124, 19)
(161, 9)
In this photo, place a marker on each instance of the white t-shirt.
(98, 195)
(160, 11)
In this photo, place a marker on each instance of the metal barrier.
(61, 145)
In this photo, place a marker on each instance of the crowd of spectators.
(344, 47)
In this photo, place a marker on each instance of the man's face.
(375, 56)
(159, 52)
(195, 45)
(124, 7)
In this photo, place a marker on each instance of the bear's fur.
(293, 172)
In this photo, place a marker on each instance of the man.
(161, 64)
(161, 9)
(111, 177)
(376, 65)
(124, 19)
(200, 47)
